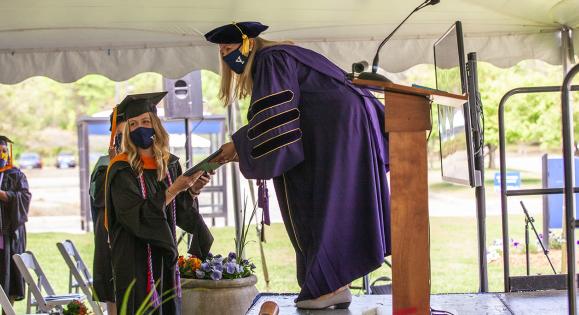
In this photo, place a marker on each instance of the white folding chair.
(79, 273)
(5, 304)
(46, 303)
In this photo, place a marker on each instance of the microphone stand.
(374, 75)
(530, 220)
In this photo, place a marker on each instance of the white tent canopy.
(67, 39)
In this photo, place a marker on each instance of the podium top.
(439, 97)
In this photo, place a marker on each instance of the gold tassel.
(245, 45)
(245, 41)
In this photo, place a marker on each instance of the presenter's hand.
(183, 182)
(228, 154)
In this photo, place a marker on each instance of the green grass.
(453, 255)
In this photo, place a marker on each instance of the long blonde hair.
(161, 151)
(238, 86)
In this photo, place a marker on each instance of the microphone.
(360, 66)
(374, 75)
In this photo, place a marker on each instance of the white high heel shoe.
(340, 300)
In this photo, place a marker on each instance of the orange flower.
(195, 263)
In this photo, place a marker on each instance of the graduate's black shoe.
(340, 300)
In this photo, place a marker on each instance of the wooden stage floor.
(540, 302)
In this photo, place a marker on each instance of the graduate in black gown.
(103, 285)
(14, 205)
(321, 139)
(146, 199)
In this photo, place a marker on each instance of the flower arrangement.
(215, 267)
(76, 308)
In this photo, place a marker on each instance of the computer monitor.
(454, 123)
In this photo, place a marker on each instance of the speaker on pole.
(185, 97)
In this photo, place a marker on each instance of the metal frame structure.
(504, 193)
(568, 175)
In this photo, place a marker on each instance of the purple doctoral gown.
(321, 140)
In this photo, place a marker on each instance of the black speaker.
(185, 97)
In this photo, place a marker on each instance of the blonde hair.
(161, 152)
(238, 86)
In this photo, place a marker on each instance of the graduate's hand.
(183, 182)
(201, 182)
(3, 196)
(228, 154)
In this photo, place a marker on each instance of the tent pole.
(83, 170)
(232, 113)
(566, 61)
(567, 49)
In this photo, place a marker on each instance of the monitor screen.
(456, 154)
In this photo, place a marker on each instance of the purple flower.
(245, 262)
(515, 243)
(200, 274)
(239, 269)
(230, 268)
(205, 267)
(216, 275)
(232, 256)
(218, 266)
(209, 256)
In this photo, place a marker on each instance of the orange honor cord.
(113, 127)
(111, 145)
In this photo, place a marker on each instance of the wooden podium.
(407, 120)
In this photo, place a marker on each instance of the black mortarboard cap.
(232, 33)
(4, 140)
(137, 104)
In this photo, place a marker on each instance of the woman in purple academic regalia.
(320, 139)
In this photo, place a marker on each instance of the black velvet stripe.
(268, 102)
(276, 143)
(273, 122)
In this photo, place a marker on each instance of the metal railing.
(504, 193)
(568, 176)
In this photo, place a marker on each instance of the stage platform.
(542, 302)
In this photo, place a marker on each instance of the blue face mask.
(3, 163)
(142, 137)
(236, 61)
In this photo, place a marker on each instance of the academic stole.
(150, 280)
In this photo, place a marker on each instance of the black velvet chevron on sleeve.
(276, 143)
(269, 102)
(273, 122)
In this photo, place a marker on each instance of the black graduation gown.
(102, 267)
(14, 214)
(134, 222)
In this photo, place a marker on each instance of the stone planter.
(229, 297)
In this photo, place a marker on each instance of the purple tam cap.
(233, 33)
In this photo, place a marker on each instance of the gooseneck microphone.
(374, 75)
